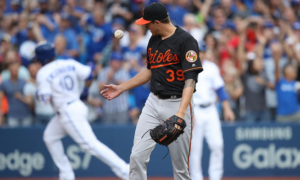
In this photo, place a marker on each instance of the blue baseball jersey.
(287, 97)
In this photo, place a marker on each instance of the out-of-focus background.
(245, 38)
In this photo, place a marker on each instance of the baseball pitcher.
(172, 66)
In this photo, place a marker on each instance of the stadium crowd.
(255, 43)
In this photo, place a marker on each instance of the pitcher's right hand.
(112, 91)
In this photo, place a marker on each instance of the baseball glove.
(165, 133)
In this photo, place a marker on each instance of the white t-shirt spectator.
(93, 93)
(39, 108)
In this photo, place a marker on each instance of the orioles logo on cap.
(191, 56)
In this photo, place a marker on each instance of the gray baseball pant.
(155, 112)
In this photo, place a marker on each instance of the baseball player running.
(207, 122)
(172, 66)
(58, 82)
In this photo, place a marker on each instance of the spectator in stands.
(176, 11)
(60, 45)
(142, 36)
(228, 7)
(16, 6)
(6, 23)
(292, 43)
(10, 57)
(19, 113)
(190, 25)
(119, 23)
(254, 82)
(22, 28)
(76, 12)
(119, 9)
(212, 46)
(233, 86)
(263, 48)
(228, 43)
(133, 52)
(139, 94)
(203, 12)
(276, 7)
(27, 37)
(137, 7)
(287, 89)
(115, 111)
(65, 29)
(115, 45)
(241, 9)
(27, 40)
(260, 8)
(289, 16)
(293, 46)
(2, 7)
(94, 102)
(42, 112)
(296, 7)
(216, 22)
(100, 34)
(45, 19)
(5, 46)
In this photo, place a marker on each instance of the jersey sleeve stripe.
(161, 65)
(192, 69)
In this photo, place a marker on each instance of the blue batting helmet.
(44, 52)
(202, 46)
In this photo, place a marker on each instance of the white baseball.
(119, 34)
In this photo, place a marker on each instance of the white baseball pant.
(155, 112)
(208, 125)
(72, 120)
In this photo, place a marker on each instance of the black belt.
(168, 96)
(205, 105)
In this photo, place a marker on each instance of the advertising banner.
(249, 150)
(262, 150)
